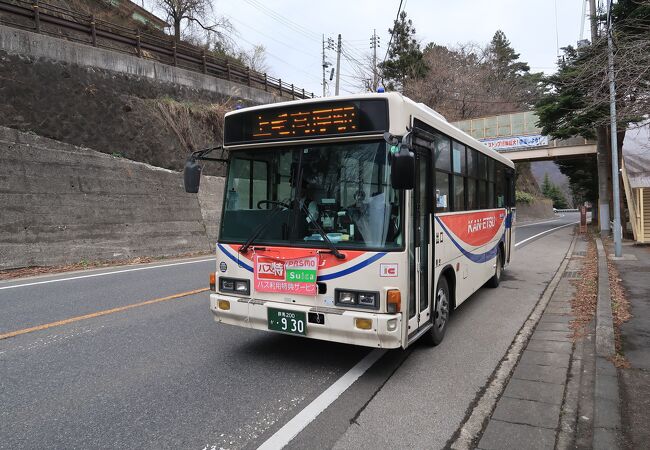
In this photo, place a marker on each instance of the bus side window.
(500, 185)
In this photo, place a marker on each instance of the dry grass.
(620, 308)
(583, 304)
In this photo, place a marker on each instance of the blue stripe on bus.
(349, 270)
(238, 261)
(477, 258)
(329, 276)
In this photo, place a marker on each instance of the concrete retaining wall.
(539, 209)
(20, 42)
(63, 204)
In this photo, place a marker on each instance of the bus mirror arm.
(192, 171)
(402, 173)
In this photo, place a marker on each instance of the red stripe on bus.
(475, 228)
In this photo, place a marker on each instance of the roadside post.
(583, 219)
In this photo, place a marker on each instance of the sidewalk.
(634, 271)
(528, 413)
(425, 402)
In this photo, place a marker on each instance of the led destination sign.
(324, 119)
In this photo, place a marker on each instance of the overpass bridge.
(517, 136)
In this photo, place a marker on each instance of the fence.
(88, 29)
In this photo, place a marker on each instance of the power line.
(271, 37)
(311, 75)
(390, 41)
(284, 20)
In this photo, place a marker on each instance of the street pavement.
(165, 375)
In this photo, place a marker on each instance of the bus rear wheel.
(436, 333)
(496, 278)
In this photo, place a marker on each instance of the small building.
(635, 170)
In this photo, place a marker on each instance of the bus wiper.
(260, 228)
(335, 251)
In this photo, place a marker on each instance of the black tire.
(498, 270)
(440, 315)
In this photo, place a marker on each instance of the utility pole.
(601, 146)
(338, 66)
(374, 43)
(324, 68)
(613, 130)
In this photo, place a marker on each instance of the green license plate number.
(292, 322)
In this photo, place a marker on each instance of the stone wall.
(540, 208)
(63, 204)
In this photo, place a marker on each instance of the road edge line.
(293, 427)
(545, 232)
(471, 428)
(112, 272)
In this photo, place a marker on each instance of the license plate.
(292, 322)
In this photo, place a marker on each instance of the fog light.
(224, 304)
(391, 325)
(363, 324)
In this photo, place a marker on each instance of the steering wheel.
(272, 202)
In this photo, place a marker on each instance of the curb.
(607, 413)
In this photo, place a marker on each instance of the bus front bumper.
(339, 326)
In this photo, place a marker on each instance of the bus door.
(510, 203)
(419, 298)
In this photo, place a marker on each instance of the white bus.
(362, 219)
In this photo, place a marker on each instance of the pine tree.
(546, 185)
(404, 60)
(504, 59)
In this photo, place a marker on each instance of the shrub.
(524, 197)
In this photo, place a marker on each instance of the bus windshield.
(288, 191)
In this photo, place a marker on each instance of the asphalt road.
(162, 375)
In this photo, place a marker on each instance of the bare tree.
(255, 59)
(194, 13)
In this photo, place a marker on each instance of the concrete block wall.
(21, 42)
(62, 204)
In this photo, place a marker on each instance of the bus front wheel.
(496, 278)
(436, 333)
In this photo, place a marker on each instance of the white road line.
(545, 232)
(92, 275)
(535, 223)
(291, 429)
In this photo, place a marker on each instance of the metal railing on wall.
(88, 29)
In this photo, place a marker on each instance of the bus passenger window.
(442, 152)
(459, 193)
(442, 192)
(459, 158)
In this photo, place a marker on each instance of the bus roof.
(409, 109)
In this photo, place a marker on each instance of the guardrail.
(87, 29)
(567, 210)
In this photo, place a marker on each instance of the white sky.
(291, 30)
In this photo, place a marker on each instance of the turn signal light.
(224, 304)
(394, 301)
(363, 324)
(213, 282)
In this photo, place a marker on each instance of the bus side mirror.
(192, 176)
(402, 170)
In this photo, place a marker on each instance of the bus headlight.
(346, 297)
(361, 299)
(234, 286)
